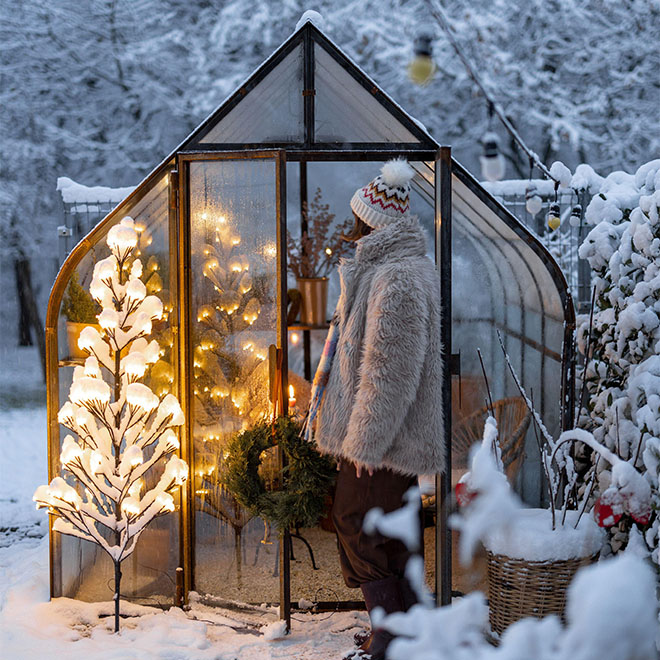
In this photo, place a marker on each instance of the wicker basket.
(518, 588)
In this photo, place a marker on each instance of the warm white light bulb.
(71, 451)
(136, 488)
(178, 470)
(88, 339)
(534, 204)
(106, 269)
(133, 456)
(109, 320)
(165, 501)
(92, 368)
(95, 461)
(140, 396)
(130, 506)
(122, 238)
(134, 365)
(89, 390)
(171, 440)
(97, 289)
(170, 406)
(66, 415)
(136, 290)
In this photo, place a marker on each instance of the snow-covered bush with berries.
(124, 436)
(611, 605)
(621, 341)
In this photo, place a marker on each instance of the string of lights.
(422, 69)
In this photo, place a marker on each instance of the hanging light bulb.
(533, 202)
(576, 215)
(492, 161)
(422, 68)
(553, 218)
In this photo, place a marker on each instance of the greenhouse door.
(232, 233)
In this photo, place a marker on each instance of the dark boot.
(383, 593)
(408, 595)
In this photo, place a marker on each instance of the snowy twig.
(587, 494)
(548, 438)
(483, 371)
(587, 353)
(547, 468)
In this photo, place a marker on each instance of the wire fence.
(564, 242)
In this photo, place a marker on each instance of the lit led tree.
(227, 353)
(230, 365)
(161, 374)
(124, 431)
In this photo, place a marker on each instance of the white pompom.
(397, 173)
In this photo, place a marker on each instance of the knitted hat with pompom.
(385, 199)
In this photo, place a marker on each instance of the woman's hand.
(359, 468)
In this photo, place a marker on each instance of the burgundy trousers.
(368, 557)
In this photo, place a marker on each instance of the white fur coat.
(382, 404)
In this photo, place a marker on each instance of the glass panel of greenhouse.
(271, 112)
(503, 287)
(233, 242)
(502, 282)
(347, 112)
(80, 569)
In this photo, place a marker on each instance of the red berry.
(463, 493)
(604, 515)
(642, 518)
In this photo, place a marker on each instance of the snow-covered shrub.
(610, 616)
(622, 341)
(124, 431)
(611, 608)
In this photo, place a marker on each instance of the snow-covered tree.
(622, 342)
(124, 431)
(101, 91)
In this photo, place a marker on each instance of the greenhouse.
(212, 222)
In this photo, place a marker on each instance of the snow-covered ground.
(23, 459)
(32, 627)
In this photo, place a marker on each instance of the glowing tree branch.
(124, 430)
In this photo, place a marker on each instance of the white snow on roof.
(77, 193)
(310, 16)
(518, 186)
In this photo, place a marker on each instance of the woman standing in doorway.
(380, 413)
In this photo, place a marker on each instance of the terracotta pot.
(314, 292)
(73, 331)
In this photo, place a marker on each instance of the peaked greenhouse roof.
(308, 93)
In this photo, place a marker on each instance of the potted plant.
(533, 553)
(80, 310)
(313, 256)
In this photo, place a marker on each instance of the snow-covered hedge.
(622, 373)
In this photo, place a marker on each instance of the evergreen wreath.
(307, 475)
